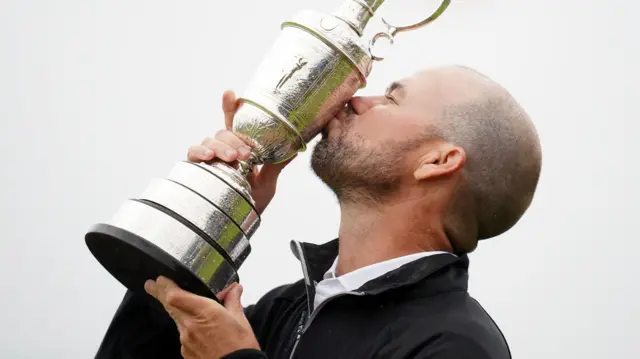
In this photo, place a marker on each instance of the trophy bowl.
(194, 225)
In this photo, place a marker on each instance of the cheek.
(383, 126)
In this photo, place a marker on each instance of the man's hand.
(207, 329)
(226, 146)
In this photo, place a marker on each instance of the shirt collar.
(355, 279)
(317, 259)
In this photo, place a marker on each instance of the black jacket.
(420, 310)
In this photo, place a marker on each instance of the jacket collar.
(316, 259)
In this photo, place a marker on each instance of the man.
(445, 158)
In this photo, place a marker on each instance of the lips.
(325, 130)
(345, 114)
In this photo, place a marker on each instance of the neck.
(371, 234)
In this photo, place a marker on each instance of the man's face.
(368, 148)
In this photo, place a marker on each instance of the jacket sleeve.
(139, 331)
(261, 316)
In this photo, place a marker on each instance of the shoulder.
(461, 344)
(455, 326)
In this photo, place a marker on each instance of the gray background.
(98, 97)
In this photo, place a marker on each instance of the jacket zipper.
(299, 328)
(304, 325)
(303, 328)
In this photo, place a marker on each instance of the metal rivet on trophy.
(194, 225)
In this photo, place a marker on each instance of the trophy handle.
(393, 30)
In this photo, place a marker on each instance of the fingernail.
(207, 152)
(148, 285)
(230, 152)
(244, 151)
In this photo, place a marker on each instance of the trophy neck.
(357, 13)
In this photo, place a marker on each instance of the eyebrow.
(397, 87)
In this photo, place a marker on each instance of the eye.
(390, 98)
(396, 88)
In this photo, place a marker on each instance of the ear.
(440, 162)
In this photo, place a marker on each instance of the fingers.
(223, 294)
(229, 107)
(160, 291)
(228, 146)
(227, 138)
(200, 154)
(178, 302)
(225, 145)
(232, 300)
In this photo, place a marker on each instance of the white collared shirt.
(332, 285)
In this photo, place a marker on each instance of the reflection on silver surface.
(357, 13)
(178, 241)
(201, 180)
(314, 67)
(307, 77)
(235, 180)
(198, 211)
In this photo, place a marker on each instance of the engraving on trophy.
(194, 225)
(300, 62)
(329, 23)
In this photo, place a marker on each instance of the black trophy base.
(132, 260)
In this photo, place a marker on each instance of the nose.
(362, 104)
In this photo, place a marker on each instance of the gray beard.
(357, 174)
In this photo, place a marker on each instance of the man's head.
(449, 140)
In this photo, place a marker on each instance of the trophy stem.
(195, 224)
(246, 167)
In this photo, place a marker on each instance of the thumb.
(232, 300)
(229, 107)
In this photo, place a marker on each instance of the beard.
(355, 171)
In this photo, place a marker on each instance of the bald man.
(443, 159)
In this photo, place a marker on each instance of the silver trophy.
(194, 225)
